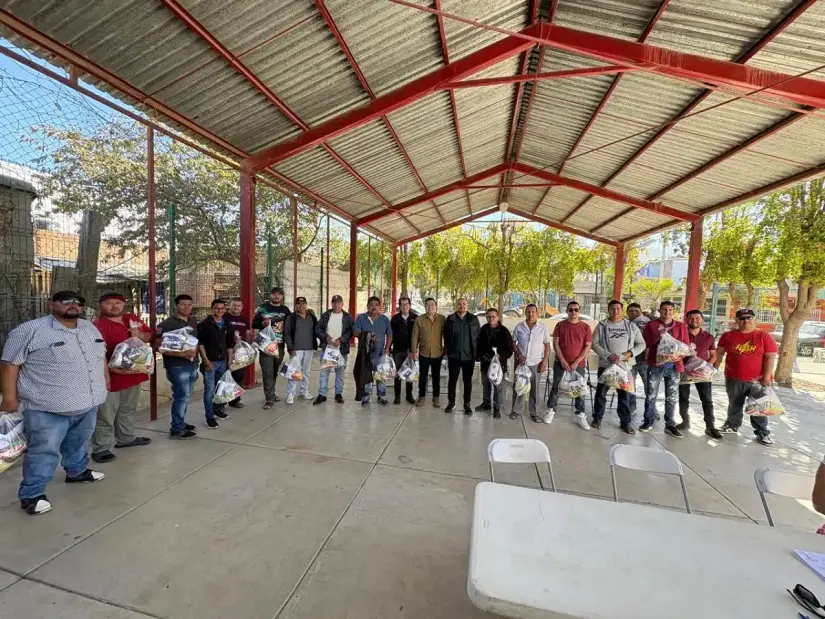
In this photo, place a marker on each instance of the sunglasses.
(71, 302)
(573, 310)
(807, 600)
(745, 318)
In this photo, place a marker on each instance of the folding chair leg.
(552, 479)
(767, 509)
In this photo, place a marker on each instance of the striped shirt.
(61, 369)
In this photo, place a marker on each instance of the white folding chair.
(646, 459)
(520, 451)
(782, 483)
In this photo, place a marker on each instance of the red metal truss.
(453, 224)
(552, 75)
(553, 224)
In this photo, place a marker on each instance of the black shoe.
(450, 407)
(275, 398)
(496, 414)
(383, 401)
(673, 431)
(646, 426)
(410, 399)
(483, 407)
(138, 441)
(36, 506)
(182, 436)
(221, 415)
(513, 415)
(684, 425)
(468, 409)
(319, 400)
(103, 456)
(212, 424)
(628, 430)
(397, 399)
(596, 423)
(764, 439)
(188, 426)
(234, 404)
(714, 433)
(339, 398)
(728, 429)
(87, 476)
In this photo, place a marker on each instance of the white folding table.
(538, 554)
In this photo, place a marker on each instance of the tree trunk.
(733, 294)
(88, 254)
(405, 270)
(703, 294)
(750, 289)
(806, 293)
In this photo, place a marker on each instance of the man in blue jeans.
(181, 368)
(55, 368)
(216, 341)
(334, 329)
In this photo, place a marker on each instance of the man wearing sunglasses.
(572, 340)
(751, 355)
(55, 369)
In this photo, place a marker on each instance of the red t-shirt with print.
(114, 332)
(744, 353)
(572, 338)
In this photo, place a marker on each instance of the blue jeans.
(654, 377)
(323, 381)
(640, 369)
(48, 435)
(210, 379)
(183, 379)
(379, 385)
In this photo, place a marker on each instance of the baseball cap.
(338, 298)
(300, 300)
(744, 312)
(276, 289)
(111, 295)
(68, 295)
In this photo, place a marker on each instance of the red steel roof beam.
(454, 224)
(558, 226)
(552, 75)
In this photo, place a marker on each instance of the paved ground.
(335, 511)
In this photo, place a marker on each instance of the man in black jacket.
(461, 332)
(402, 326)
(334, 329)
(271, 313)
(301, 343)
(216, 341)
(493, 335)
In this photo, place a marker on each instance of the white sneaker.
(582, 419)
(547, 416)
(290, 399)
(307, 396)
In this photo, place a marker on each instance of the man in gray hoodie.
(615, 339)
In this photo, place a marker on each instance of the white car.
(563, 315)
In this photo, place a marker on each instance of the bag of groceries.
(697, 371)
(495, 373)
(292, 369)
(617, 376)
(763, 403)
(12, 439)
(227, 389)
(243, 355)
(134, 355)
(179, 340)
(671, 350)
(268, 342)
(332, 358)
(408, 372)
(521, 380)
(384, 370)
(572, 385)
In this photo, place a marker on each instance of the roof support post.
(394, 277)
(618, 278)
(694, 258)
(153, 295)
(247, 238)
(353, 269)
(327, 265)
(294, 248)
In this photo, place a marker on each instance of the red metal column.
(294, 249)
(394, 278)
(694, 258)
(327, 305)
(247, 239)
(152, 296)
(353, 269)
(369, 266)
(618, 278)
(381, 294)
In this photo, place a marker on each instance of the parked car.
(811, 335)
(510, 312)
(563, 315)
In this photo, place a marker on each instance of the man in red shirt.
(704, 346)
(572, 340)
(115, 426)
(751, 355)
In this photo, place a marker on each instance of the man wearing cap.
(271, 313)
(402, 327)
(55, 368)
(216, 343)
(115, 425)
(376, 327)
(334, 329)
(301, 342)
(751, 355)
(181, 368)
(239, 324)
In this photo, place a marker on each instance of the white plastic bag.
(408, 372)
(243, 355)
(522, 380)
(133, 355)
(618, 376)
(495, 373)
(332, 358)
(268, 341)
(292, 369)
(671, 350)
(384, 370)
(227, 389)
(179, 340)
(12, 439)
(572, 385)
(697, 370)
(765, 404)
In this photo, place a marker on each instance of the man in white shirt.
(532, 343)
(334, 329)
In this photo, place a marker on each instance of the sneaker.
(684, 425)
(365, 403)
(514, 415)
(496, 414)
(673, 431)
(182, 436)
(221, 415)
(36, 506)
(383, 401)
(483, 407)
(728, 429)
(596, 424)
(546, 416)
(468, 409)
(582, 420)
(234, 404)
(319, 400)
(397, 399)
(436, 403)
(420, 402)
(764, 439)
(212, 424)
(307, 396)
(339, 398)
(450, 407)
(103, 456)
(410, 399)
(87, 476)
(628, 430)
(646, 426)
(714, 433)
(290, 399)
(188, 426)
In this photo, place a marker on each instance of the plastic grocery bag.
(765, 404)
(495, 373)
(292, 369)
(243, 355)
(385, 370)
(697, 371)
(133, 355)
(408, 372)
(268, 341)
(617, 376)
(521, 380)
(12, 439)
(227, 389)
(671, 350)
(572, 385)
(332, 358)
(179, 340)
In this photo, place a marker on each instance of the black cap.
(300, 300)
(745, 311)
(66, 295)
(276, 289)
(337, 297)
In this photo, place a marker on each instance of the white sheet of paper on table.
(814, 560)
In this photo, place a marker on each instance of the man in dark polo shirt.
(705, 346)
(240, 324)
(216, 340)
(115, 426)
(461, 331)
(181, 367)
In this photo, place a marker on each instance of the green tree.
(651, 292)
(546, 259)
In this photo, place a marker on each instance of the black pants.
(553, 398)
(738, 391)
(622, 404)
(399, 358)
(466, 369)
(238, 376)
(705, 396)
(429, 365)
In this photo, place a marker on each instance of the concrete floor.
(336, 511)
